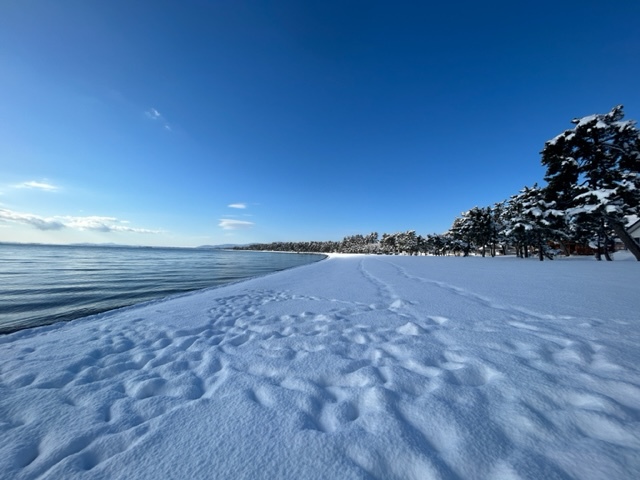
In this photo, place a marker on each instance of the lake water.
(42, 284)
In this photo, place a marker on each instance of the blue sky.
(205, 122)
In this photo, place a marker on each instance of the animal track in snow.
(403, 382)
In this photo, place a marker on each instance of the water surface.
(43, 284)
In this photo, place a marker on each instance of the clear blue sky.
(150, 122)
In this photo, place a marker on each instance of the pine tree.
(514, 227)
(593, 175)
(532, 220)
(461, 234)
(498, 237)
(474, 230)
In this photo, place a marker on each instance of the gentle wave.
(42, 284)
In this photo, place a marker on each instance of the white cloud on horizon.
(47, 187)
(237, 205)
(231, 224)
(103, 224)
(36, 221)
(95, 223)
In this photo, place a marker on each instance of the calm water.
(41, 284)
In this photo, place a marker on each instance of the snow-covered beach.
(353, 367)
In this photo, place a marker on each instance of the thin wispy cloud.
(237, 205)
(156, 116)
(153, 114)
(45, 186)
(94, 223)
(232, 224)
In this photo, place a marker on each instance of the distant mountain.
(87, 244)
(120, 245)
(110, 245)
(218, 247)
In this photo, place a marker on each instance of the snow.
(353, 367)
(586, 120)
(623, 125)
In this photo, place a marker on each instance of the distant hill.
(108, 244)
(217, 247)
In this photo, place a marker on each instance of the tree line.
(592, 187)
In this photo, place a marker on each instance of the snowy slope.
(353, 367)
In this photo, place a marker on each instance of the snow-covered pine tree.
(593, 174)
(514, 228)
(482, 228)
(408, 242)
(473, 230)
(534, 219)
(496, 227)
(461, 234)
(435, 244)
(388, 243)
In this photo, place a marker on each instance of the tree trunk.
(627, 239)
(606, 248)
(540, 252)
(598, 253)
(605, 241)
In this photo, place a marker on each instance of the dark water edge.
(46, 284)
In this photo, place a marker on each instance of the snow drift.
(354, 367)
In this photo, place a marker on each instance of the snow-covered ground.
(353, 367)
